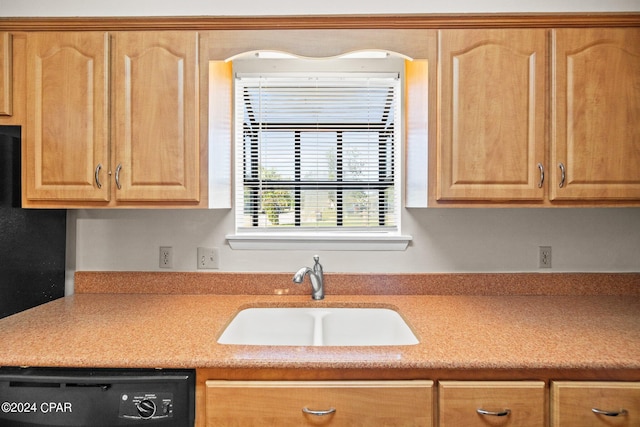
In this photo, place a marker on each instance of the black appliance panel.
(36, 397)
(32, 241)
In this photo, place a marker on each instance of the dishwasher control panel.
(94, 397)
(146, 405)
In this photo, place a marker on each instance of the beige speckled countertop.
(457, 332)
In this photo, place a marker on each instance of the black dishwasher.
(34, 397)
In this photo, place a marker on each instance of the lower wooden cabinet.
(313, 403)
(595, 403)
(491, 403)
(412, 403)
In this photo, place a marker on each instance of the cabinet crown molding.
(402, 21)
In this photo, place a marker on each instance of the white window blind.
(317, 153)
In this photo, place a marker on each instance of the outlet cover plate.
(166, 257)
(544, 257)
(208, 258)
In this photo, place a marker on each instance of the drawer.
(327, 403)
(615, 404)
(491, 403)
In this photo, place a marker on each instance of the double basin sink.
(318, 326)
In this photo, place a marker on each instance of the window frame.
(331, 238)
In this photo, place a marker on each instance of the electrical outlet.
(544, 257)
(208, 258)
(166, 257)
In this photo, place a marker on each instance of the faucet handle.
(317, 268)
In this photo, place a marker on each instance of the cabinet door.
(596, 114)
(6, 89)
(67, 126)
(593, 404)
(155, 89)
(491, 114)
(488, 403)
(327, 403)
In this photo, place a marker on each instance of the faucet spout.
(316, 276)
(299, 276)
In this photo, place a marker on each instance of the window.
(317, 153)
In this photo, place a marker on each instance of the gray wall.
(444, 240)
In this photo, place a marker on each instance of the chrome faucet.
(315, 275)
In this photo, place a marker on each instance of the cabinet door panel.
(356, 403)
(6, 64)
(572, 404)
(459, 402)
(67, 116)
(491, 98)
(596, 113)
(156, 120)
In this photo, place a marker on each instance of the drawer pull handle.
(319, 413)
(118, 169)
(541, 175)
(563, 174)
(609, 413)
(502, 413)
(97, 175)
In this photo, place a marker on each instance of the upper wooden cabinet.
(67, 128)
(155, 109)
(6, 68)
(595, 125)
(515, 117)
(491, 114)
(493, 145)
(133, 143)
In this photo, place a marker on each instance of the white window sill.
(319, 242)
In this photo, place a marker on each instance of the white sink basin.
(318, 326)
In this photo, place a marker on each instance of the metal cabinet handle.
(118, 168)
(502, 413)
(318, 413)
(563, 174)
(97, 175)
(541, 175)
(609, 413)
